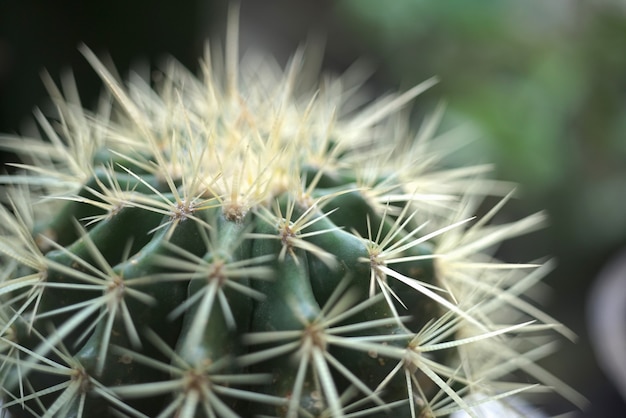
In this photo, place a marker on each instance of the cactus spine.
(240, 245)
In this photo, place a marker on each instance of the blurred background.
(543, 81)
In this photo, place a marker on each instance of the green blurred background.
(544, 81)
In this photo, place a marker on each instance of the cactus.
(244, 244)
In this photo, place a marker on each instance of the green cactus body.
(230, 246)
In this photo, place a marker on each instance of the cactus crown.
(238, 244)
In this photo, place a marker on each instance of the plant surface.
(247, 243)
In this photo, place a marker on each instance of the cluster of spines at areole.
(243, 243)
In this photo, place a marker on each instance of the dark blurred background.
(544, 81)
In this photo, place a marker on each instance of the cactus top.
(246, 242)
